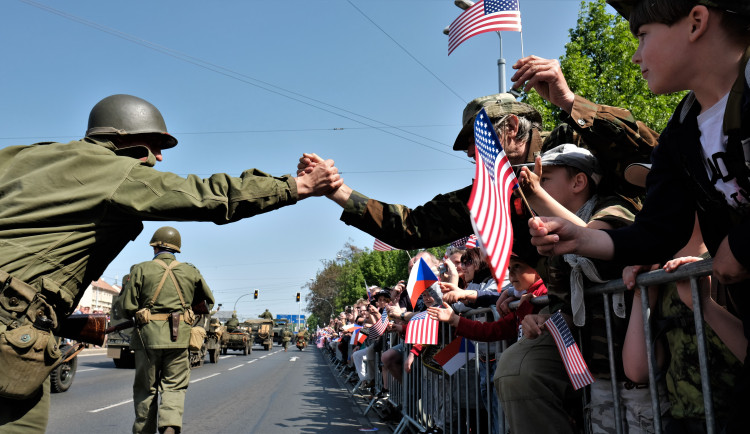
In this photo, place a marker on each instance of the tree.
(597, 65)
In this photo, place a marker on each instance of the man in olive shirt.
(167, 289)
(68, 209)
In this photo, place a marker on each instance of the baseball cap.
(636, 173)
(571, 155)
(496, 106)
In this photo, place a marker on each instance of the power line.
(407, 52)
(268, 87)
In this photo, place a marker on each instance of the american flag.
(489, 203)
(421, 329)
(575, 365)
(484, 16)
(471, 242)
(378, 329)
(381, 246)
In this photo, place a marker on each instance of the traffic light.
(298, 297)
(255, 296)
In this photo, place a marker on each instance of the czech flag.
(454, 355)
(420, 278)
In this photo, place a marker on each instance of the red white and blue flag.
(484, 16)
(491, 194)
(455, 355)
(421, 329)
(357, 336)
(578, 372)
(420, 279)
(378, 329)
(381, 246)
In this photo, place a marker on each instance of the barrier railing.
(427, 397)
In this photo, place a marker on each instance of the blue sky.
(254, 84)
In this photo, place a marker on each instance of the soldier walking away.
(159, 294)
(68, 209)
(286, 337)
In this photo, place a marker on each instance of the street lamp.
(235, 303)
(466, 4)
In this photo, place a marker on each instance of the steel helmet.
(167, 237)
(126, 114)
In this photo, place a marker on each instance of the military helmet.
(167, 237)
(121, 115)
(496, 106)
(742, 7)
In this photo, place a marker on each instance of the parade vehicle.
(279, 324)
(213, 339)
(118, 346)
(239, 340)
(62, 376)
(263, 331)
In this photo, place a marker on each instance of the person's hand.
(630, 273)
(533, 325)
(395, 311)
(307, 163)
(321, 179)
(408, 362)
(502, 302)
(530, 181)
(446, 287)
(443, 314)
(683, 286)
(454, 296)
(726, 267)
(553, 235)
(546, 77)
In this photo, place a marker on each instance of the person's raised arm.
(557, 236)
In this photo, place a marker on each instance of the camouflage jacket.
(140, 288)
(68, 209)
(603, 129)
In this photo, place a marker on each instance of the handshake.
(318, 177)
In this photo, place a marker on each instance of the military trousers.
(165, 372)
(25, 416)
(534, 389)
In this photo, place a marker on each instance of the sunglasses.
(467, 262)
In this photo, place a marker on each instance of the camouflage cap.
(496, 105)
(742, 7)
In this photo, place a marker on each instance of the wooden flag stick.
(520, 191)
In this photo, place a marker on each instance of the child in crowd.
(701, 163)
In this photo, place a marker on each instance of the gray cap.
(573, 156)
(496, 105)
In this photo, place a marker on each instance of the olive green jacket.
(140, 288)
(68, 209)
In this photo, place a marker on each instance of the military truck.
(263, 330)
(240, 339)
(279, 324)
(118, 347)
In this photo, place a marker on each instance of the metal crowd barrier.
(427, 398)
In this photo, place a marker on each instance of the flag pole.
(501, 65)
(521, 33)
(520, 191)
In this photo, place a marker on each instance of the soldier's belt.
(164, 316)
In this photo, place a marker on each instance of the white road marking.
(89, 369)
(110, 406)
(230, 369)
(251, 361)
(201, 379)
(293, 359)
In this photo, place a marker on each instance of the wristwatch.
(402, 316)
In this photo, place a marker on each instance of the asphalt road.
(264, 392)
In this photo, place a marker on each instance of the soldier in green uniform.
(286, 337)
(165, 288)
(232, 323)
(68, 209)
(267, 314)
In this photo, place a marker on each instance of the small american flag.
(422, 329)
(378, 329)
(471, 242)
(575, 365)
(484, 16)
(489, 203)
(381, 246)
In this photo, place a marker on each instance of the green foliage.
(597, 66)
(343, 281)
